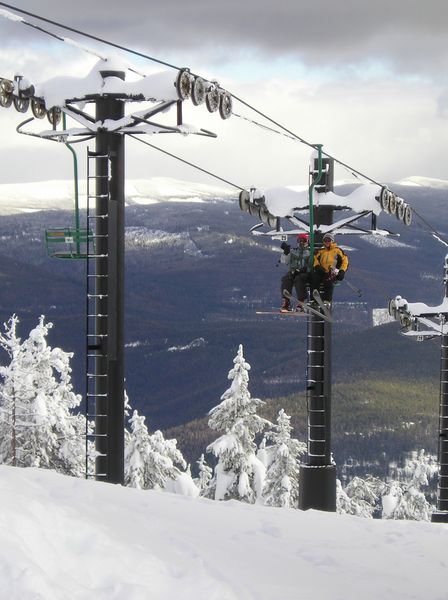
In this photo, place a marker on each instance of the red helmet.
(302, 237)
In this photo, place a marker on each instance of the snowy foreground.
(63, 538)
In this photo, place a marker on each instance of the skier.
(297, 276)
(330, 265)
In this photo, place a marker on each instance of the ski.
(317, 297)
(277, 312)
(309, 309)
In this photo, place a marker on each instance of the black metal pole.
(317, 474)
(110, 285)
(440, 515)
(317, 478)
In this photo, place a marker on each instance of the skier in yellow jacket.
(330, 265)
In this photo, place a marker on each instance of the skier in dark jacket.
(330, 265)
(298, 260)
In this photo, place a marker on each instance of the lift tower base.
(317, 487)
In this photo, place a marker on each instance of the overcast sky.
(366, 79)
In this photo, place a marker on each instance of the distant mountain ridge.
(17, 198)
(420, 181)
(194, 280)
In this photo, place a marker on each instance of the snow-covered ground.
(18, 198)
(69, 539)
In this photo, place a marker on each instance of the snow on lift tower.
(281, 209)
(422, 322)
(97, 104)
(288, 206)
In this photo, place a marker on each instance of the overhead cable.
(190, 164)
(290, 133)
(153, 59)
(88, 35)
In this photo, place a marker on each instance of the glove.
(332, 274)
(340, 276)
(285, 247)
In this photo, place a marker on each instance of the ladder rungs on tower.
(97, 283)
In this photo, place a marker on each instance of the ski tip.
(294, 313)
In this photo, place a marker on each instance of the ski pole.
(353, 288)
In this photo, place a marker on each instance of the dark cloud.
(410, 36)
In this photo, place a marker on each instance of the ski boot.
(286, 305)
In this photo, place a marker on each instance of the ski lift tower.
(422, 322)
(97, 105)
(283, 213)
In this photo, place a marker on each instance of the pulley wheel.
(244, 200)
(198, 91)
(384, 199)
(183, 84)
(407, 215)
(392, 203)
(54, 115)
(212, 100)
(38, 108)
(21, 104)
(391, 308)
(6, 88)
(225, 105)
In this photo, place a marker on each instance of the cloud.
(366, 79)
(407, 35)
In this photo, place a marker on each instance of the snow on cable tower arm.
(288, 203)
(164, 90)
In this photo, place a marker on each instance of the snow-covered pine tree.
(344, 504)
(239, 474)
(404, 499)
(204, 476)
(282, 455)
(360, 497)
(37, 425)
(150, 459)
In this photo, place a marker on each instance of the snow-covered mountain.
(419, 181)
(63, 538)
(16, 198)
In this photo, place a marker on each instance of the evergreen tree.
(205, 476)
(404, 499)
(150, 459)
(37, 425)
(360, 497)
(239, 474)
(282, 462)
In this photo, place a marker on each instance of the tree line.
(254, 460)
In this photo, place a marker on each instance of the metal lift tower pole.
(110, 284)
(440, 515)
(318, 472)
(104, 235)
(434, 319)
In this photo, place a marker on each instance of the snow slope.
(71, 539)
